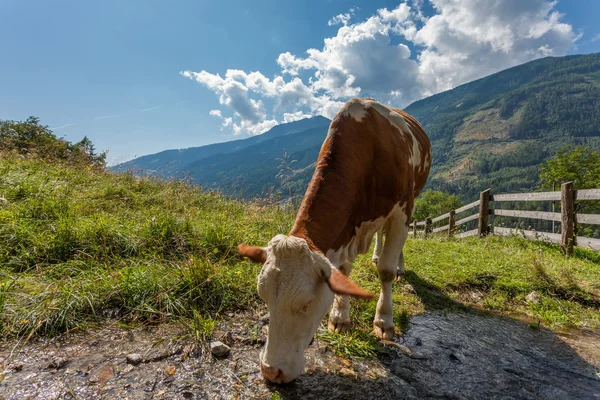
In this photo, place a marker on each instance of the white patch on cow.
(399, 123)
(292, 283)
(395, 119)
(359, 243)
(396, 234)
(356, 108)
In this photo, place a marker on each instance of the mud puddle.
(456, 356)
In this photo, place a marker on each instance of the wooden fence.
(567, 217)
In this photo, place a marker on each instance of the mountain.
(170, 162)
(492, 132)
(496, 131)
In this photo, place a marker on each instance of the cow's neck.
(327, 205)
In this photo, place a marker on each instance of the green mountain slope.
(493, 132)
(261, 168)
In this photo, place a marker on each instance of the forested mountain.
(492, 132)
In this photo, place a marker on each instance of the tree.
(30, 138)
(580, 165)
(432, 203)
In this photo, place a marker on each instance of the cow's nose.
(271, 374)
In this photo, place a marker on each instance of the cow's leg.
(400, 270)
(387, 267)
(378, 246)
(339, 316)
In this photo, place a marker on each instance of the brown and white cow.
(373, 163)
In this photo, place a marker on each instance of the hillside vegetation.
(493, 132)
(78, 244)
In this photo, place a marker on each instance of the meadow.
(79, 244)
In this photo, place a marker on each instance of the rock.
(476, 295)
(533, 297)
(170, 370)
(127, 369)
(219, 349)
(57, 362)
(102, 373)
(134, 358)
(348, 372)
(409, 288)
(265, 318)
(227, 338)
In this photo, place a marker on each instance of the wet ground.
(454, 356)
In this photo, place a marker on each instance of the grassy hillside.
(79, 244)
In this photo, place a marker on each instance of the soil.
(463, 355)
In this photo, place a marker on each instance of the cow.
(373, 163)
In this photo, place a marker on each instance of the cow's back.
(373, 159)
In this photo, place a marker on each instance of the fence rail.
(568, 218)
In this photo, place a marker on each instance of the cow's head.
(298, 285)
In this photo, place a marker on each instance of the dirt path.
(457, 356)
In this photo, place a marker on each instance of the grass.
(78, 245)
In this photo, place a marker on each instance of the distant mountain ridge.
(169, 162)
(492, 132)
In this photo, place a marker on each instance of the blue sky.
(138, 77)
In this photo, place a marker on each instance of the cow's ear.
(339, 284)
(255, 253)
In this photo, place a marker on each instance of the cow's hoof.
(399, 275)
(383, 331)
(338, 326)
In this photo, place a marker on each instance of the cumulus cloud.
(296, 116)
(460, 41)
(342, 18)
(216, 113)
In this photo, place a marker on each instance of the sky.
(141, 76)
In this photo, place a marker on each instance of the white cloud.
(62, 126)
(216, 113)
(342, 18)
(152, 108)
(596, 38)
(296, 116)
(461, 41)
(339, 19)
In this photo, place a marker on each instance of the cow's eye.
(305, 307)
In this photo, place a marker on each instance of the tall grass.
(77, 244)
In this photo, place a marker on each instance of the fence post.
(451, 223)
(567, 221)
(415, 228)
(484, 212)
(427, 226)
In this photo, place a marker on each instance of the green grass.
(77, 245)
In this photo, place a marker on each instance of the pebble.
(410, 288)
(134, 358)
(57, 362)
(265, 318)
(533, 297)
(219, 349)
